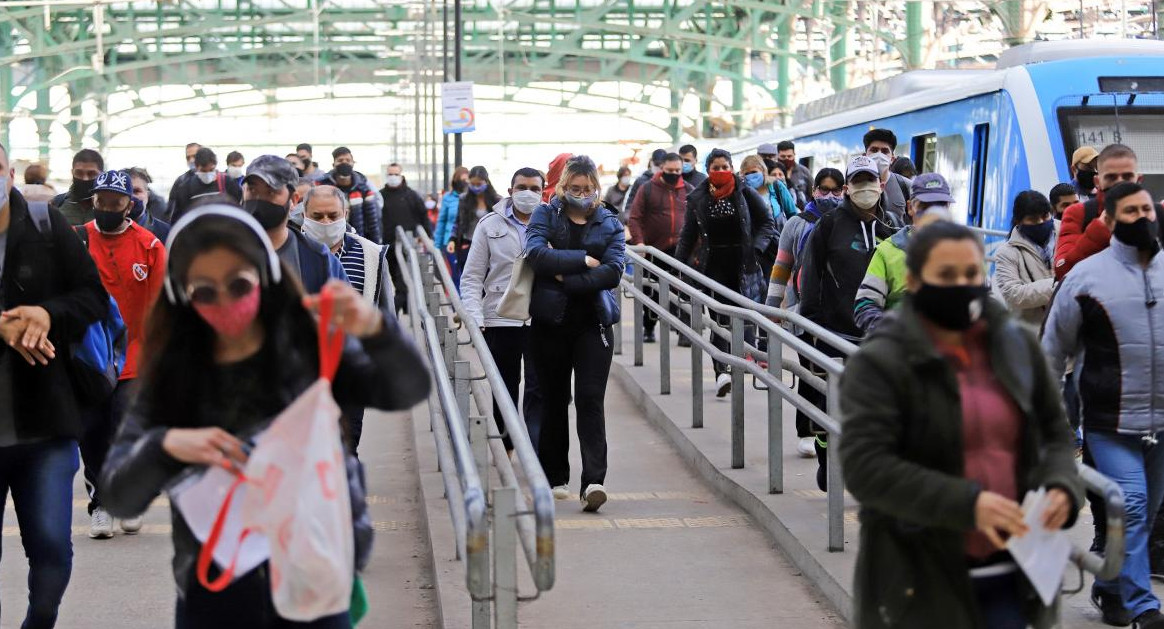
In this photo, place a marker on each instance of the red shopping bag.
(294, 490)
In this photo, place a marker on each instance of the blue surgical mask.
(478, 189)
(688, 167)
(754, 180)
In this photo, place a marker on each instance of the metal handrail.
(538, 543)
(542, 560)
(473, 532)
(665, 281)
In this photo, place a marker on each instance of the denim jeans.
(998, 600)
(40, 477)
(1138, 468)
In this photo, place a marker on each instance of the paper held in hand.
(1041, 554)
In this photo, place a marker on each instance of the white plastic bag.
(294, 491)
(300, 500)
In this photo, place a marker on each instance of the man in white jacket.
(498, 240)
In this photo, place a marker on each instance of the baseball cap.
(767, 148)
(113, 181)
(862, 164)
(930, 188)
(275, 171)
(1083, 155)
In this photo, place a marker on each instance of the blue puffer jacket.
(447, 218)
(1106, 316)
(367, 207)
(547, 249)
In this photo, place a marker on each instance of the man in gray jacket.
(498, 240)
(1106, 315)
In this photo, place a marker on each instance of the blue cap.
(113, 181)
(930, 188)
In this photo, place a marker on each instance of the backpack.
(98, 358)
(794, 277)
(1090, 213)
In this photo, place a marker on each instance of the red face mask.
(723, 183)
(231, 319)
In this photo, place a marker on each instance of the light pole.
(457, 59)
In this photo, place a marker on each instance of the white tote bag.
(515, 302)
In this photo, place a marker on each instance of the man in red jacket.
(132, 265)
(656, 218)
(1081, 236)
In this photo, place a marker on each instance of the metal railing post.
(664, 339)
(696, 367)
(434, 303)
(461, 375)
(639, 313)
(775, 419)
(448, 343)
(836, 489)
(505, 558)
(737, 395)
(479, 440)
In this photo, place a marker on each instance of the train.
(994, 133)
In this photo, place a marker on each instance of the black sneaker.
(1111, 606)
(1151, 619)
(684, 341)
(649, 336)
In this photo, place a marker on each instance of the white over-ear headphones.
(178, 296)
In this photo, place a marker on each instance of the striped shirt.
(351, 256)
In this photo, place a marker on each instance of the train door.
(977, 181)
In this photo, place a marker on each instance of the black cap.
(275, 171)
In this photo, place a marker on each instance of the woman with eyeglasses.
(230, 346)
(727, 232)
(477, 200)
(576, 246)
(784, 282)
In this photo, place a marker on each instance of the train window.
(978, 175)
(807, 163)
(1138, 127)
(924, 152)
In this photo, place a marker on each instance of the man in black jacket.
(204, 182)
(50, 293)
(77, 203)
(402, 205)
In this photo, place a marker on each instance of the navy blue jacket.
(547, 250)
(316, 264)
(366, 206)
(153, 224)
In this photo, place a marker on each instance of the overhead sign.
(457, 107)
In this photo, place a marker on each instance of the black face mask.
(950, 307)
(268, 214)
(109, 222)
(671, 178)
(83, 189)
(344, 170)
(1086, 180)
(1143, 234)
(459, 186)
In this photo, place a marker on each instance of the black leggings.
(245, 604)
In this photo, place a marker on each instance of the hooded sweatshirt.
(554, 174)
(836, 259)
(403, 207)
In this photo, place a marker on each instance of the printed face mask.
(231, 319)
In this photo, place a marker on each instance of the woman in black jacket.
(476, 200)
(726, 235)
(228, 348)
(950, 416)
(577, 249)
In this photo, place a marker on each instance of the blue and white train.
(995, 133)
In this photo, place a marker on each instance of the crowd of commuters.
(974, 382)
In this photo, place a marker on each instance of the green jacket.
(901, 452)
(884, 283)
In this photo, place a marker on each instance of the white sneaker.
(562, 492)
(131, 526)
(806, 447)
(100, 524)
(593, 498)
(723, 384)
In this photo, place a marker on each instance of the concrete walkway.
(126, 582)
(665, 551)
(796, 519)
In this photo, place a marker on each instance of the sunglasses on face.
(824, 192)
(209, 293)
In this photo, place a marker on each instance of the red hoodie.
(554, 174)
(132, 265)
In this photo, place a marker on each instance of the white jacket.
(496, 244)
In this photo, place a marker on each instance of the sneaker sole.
(93, 535)
(595, 500)
(724, 390)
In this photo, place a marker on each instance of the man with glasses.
(498, 240)
(132, 264)
(269, 193)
